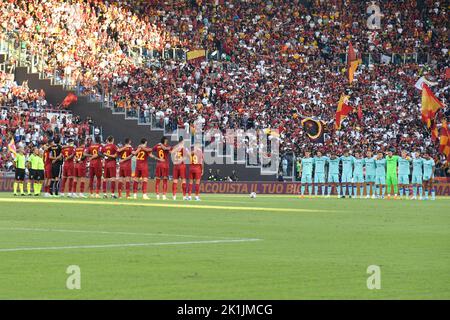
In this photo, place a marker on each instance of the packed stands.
(26, 117)
(267, 63)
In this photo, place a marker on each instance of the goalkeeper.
(391, 174)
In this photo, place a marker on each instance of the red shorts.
(161, 171)
(125, 172)
(110, 172)
(68, 171)
(195, 174)
(80, 171)
(141, 171)
(179, 171)
(95, 171)
(48, 171)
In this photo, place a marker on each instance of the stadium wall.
(245, 187)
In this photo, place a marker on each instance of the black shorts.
(31, 174)
(56, 170)
(36, 175)
(20, 174)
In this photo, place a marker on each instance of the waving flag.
(69, 99)
(434, 131)
(12, 148)
(430, 105)
(352, 62)
(421, 81)
(444, 140)
(195, 54)
(314, 129)
(342, 111)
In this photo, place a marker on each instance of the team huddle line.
(378, 174)
(60, 168)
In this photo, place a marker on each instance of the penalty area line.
(127, 245)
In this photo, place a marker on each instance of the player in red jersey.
(179, 155)
(48, 168)
(80, 170)
(141, 174)
(162, 151)
(109, 151)
(95, 166)
(124, 155)
(195, 170)
(68, 152)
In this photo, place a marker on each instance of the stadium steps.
(121, 126)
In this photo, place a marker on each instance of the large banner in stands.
(442, 187)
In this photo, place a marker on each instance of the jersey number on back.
(141, 155)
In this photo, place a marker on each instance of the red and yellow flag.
(342, 111)
(12, 148)
(352, 62)
(444, 140)
(430, 105)
(434, 131)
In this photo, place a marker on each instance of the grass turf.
(286, 248)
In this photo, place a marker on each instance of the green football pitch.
(224, 247)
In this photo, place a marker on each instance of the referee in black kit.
(57, 162)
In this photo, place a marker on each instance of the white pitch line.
(103, 246)
(112, 232)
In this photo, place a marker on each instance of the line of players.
(66, 168)
(377, 174)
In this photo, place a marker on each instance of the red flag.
(434, 132)
(430, 105)
(71, 98)
(444, 140)
(447, 148)
(352, 62)
(12, 148)
(342, 111)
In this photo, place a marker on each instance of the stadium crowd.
(273, 78)
(27, 118)
(275, 62)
